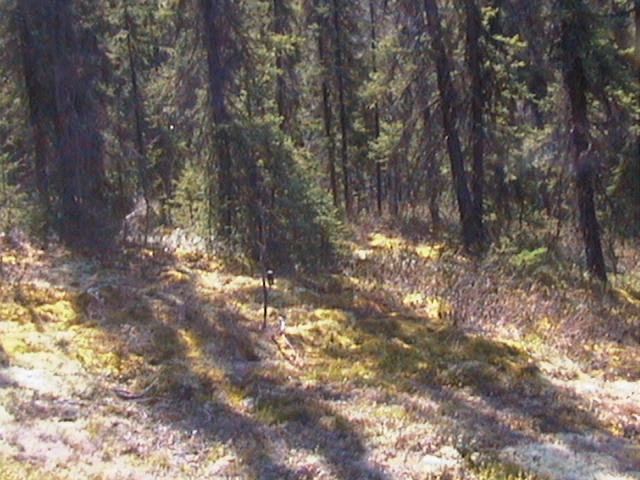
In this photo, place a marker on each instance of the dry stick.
(128, 395)
(264, 273)
(293, 358)
(265, 296)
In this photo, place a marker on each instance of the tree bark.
(61, 70)
(285, 76)
(342, 102)
(583, 161)
(637, 55)
(433, 176)
(139, 124)
(327, 114)
(39, 104)
(470, 235)
(474, 60)
(376, 107)
(219, 75)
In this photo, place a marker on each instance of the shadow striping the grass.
(343, 346)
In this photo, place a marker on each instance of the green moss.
(282, 409)
(496, 470)
(530, 259)
(61, 311)
(11, 469)
(14, 312)
(35, 294)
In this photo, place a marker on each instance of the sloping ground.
(417, 362)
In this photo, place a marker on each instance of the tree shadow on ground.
(494, 391)
(213, 365)
(217, 374)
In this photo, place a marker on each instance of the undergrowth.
(405, 316)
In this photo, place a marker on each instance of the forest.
(287, 234)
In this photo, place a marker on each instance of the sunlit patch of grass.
(496, 470)
(192, 342)
(62, 311)
(528, 260)
(414, 299)
(175, 276)
(388, 346)
(14, 312)
(628, 295)
(16, 340)
(95, 427)
(328, 327)
(38, 293)
(12, 469)
(160, 461)
(343, 370)
(396, 352)
(98, 352)
(431, 307)
(497, 353)
(380, 240)
(429, 252)
(395, 412)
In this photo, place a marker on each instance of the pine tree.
(573, 42)
(471, 223)
(62, 66)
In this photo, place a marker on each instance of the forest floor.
(415, 362)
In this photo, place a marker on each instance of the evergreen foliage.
(260, 123)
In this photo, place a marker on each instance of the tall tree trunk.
(139, 123)
(433, 175)
(474, 59)
(284, 64)
(39, 105)
(394, 185)
(278, 28)
(637, 55)
(583, 161)
(448, 101)
(63, 77)
(217, 39)
(327, 114)
(342, 102)
(376, 107)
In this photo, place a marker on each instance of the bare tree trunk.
(38, 104)
(278, 28)
(376, 108)
(474, 59)
(285, 77)
(583, 161)
(394, 186)
(328, 124)
(637, 55)
(216, 40)
(344, 118)
(448, 101)
(433, 176)
(139, 124)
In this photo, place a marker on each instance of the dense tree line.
(268, 123)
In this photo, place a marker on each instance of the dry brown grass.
(415, 361)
